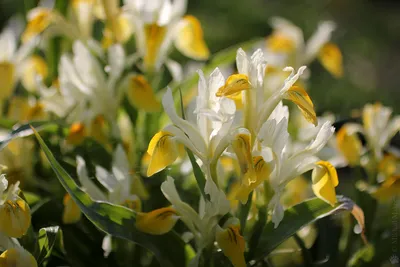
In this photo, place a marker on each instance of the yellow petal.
(242, 147)
(233, 85)
(121, 34)
(388, 165)
(280, 43)
(18, 108)
(262, 171)
(390, 188)
(71, 212)
(17, 257)
(36, 112)
(358, 214)
(7, 79)
(76, 134)
(190, 40)
(141, 95)
(300, 97)
(331, 58)
(349, 145)
(154, 36)
(163, 152)
(325, 179)
(15, 218)
(99, 130)
(38, 21)
(157, 222)
(232, 244)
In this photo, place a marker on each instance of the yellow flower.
(232, 244)
(38, 20)
(71, 213)
(157, 222)
(15, 217)
(325, 179)
(17, 257)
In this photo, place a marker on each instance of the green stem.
(257, 231)
(244, 212)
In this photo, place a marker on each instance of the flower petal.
(157, 222)
(15, 217)
(325, 180)
(241, 144)
(7, 79)
(300, 97)
(331, 58)
(349, 144)
(232, 244)
(190, 41)
(234, 84)
(141, 95)
(71, 212)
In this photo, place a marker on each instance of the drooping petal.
(141, 94)
(325, 179)
(189, 40)
(17, 257)
(280, 43)
(242, 145)
(232, 244)
(300, 97)
(331, 58)
(15, 217)
(154, 36)
(349, 144)
(71, 212)
(163, 151)
(233, 85)
(157, 222)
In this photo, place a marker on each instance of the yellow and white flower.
(202, 224)
(286, 46)
(158, 24)
(14, 211)
(17, 257)
(14, 63)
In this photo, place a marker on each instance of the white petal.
(242, 62)
(7, 45)
(87, 184)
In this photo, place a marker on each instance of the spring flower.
(14, 61)
(204, 223)
(206, 135)
(14, 211)
(288, 164)
(17, 257)
(286, 46)
(325, 180)
(379, 128)
(158, 24)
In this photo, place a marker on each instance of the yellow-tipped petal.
(7, 79)
(155, 35)
(232, 244)
(300, 97)
(331, 58)
(190, 40)
(262, 171)
(76, 134)
(15, 218)
(349, 145)
(390, 188)
(233, 85)
(325, 179)
(163, 152)
(280, 43)
(157, 222)
(242, 147)
(38, 21)
(17, 257)
(71, 213)
(141, 95)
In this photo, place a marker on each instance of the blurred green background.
(368, 33)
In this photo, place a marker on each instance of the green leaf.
(296, 218)
(117, 220)
(362, 256)
(25, 130)
(46, 240)
(220, 59)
